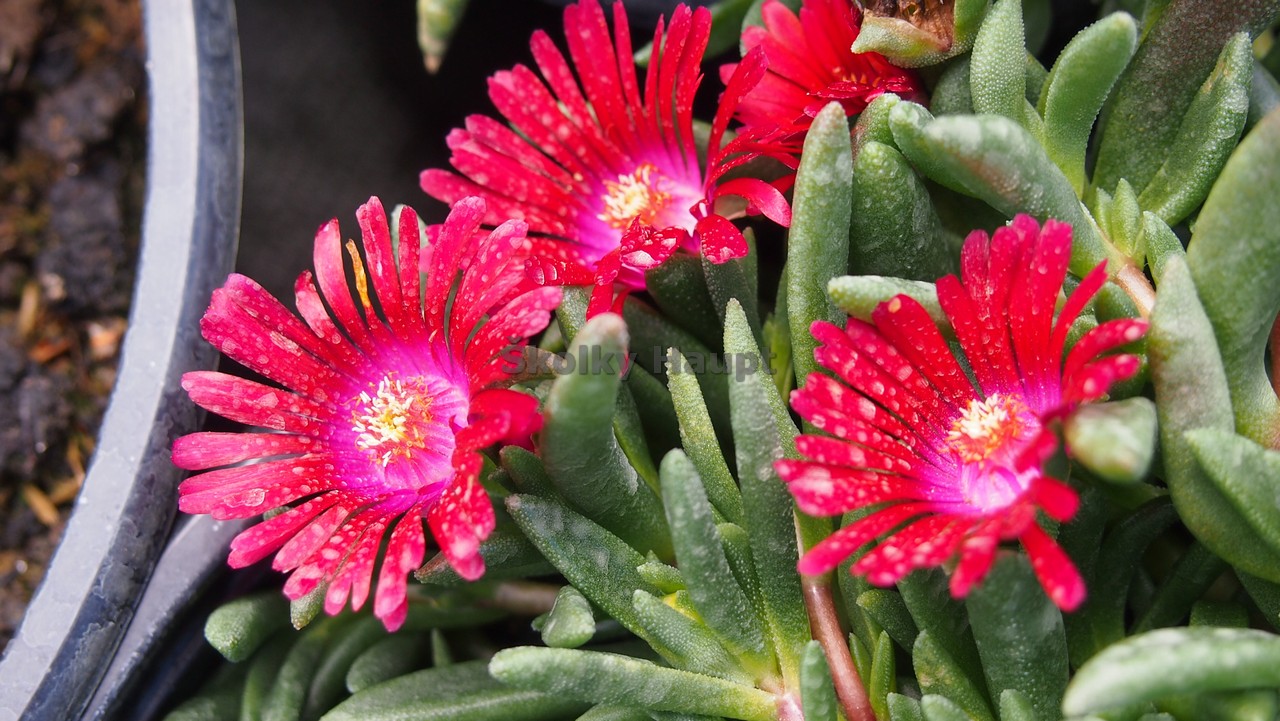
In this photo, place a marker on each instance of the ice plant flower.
(387, 401)
(810, 65)
(606, 172)
(949, 469)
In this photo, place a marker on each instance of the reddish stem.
(1138, 287)
(825, 625)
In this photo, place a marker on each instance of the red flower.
(384, 408)
(950, 470)
(607, 176)
(810, 65)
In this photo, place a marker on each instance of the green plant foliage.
(818, 240)
(1173, 662)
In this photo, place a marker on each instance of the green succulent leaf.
(1192, 393)
(872, 124)
(437, 21)
(735, 280)
(580, 447)
(1172, 662)
(263, 668)
(941, 708)
(1100, 622)
(1020, 635)
(1161, 243)
(462, 692)
(667, 579)
(613, 679)
(858, 295)
(679, 288)
(391, 657)
(996, 160)
(1078, 85)
(1139, 127)
(657, 412)
(570, 623)
(329, 685)
(894, 230)
(698, 438)
(696, 647)
(1115, 440)
(1015, 706)
(238, 628)
(1208, 134)
(1246, 474)
(720, 601)
(1254, 705)
(818, 243)
(1264, 593)
(938, 673)
(996, 75)
(817, 693)
(928, 599)
(1221, 614)
(904, 708)
(762, 434)
(1191, 576)
(1234, 256)
(953, 94)
(883, 675)
(888, 610)
(927, 40)
(598, 563)
(288, 695)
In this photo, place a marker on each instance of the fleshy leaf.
(1151, 96)
(1020, 635)
(1116, 440)
(817, 694)
(1078, 84)
(462, 692)
(1246, 474)
(937, 672)
(613, 679)
(996, 160)
(715, 592)
(1207, 136)
(582, 454)
(1234, 256)
(1191, 393)
(1172, 662)
(570, 622)
(818, 245)
(894, 230)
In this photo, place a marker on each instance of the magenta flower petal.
(602, 164)
(948, 468)
(809, 65)
(389, 391)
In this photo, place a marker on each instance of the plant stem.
(825, 626)
(1134, 282)
(526, 598)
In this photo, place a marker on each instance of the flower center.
(986, 427)
(642, 194)
(394, 420)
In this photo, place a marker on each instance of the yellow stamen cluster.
(391, 420)
(638, 194)
(986, 426)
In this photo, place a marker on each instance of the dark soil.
(72, 131)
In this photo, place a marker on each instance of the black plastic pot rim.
(121, 521)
